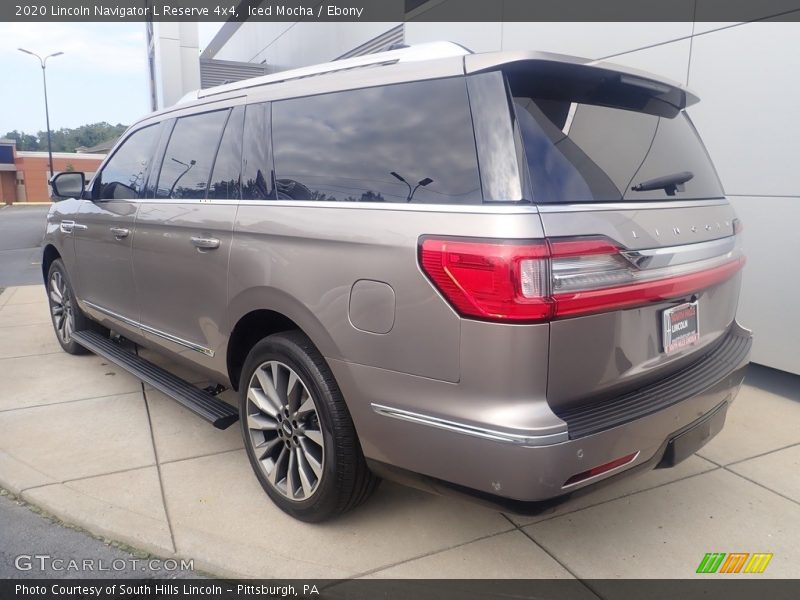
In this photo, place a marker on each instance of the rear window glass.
(190, 154)
(407, 143)
(586, 153)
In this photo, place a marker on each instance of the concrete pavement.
(89, 443)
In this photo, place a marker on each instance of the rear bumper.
(512, 471)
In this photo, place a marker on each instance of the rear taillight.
(556, 278)
(490, 280)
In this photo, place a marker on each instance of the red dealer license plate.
(681, 326)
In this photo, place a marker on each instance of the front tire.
(297, 431)
(67, 317)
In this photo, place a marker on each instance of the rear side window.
(123, 176)
(410, 142)
(226, 178)
(585, 153)
(257, 176)
(189, 156)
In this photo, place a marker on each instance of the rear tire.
(297, 431)
(65, 314)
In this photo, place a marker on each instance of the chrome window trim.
(448, 208)
(486, 207)
(162, 334)
(471, 430)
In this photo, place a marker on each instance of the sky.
(102, 75)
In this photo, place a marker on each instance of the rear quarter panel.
(303, 260)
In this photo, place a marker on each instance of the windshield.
(586, 153)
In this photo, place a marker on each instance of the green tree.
(66, 139)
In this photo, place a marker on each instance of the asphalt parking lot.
(21, 232)
(90, 444)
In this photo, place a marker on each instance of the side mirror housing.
(69, 184)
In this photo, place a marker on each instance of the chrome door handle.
(120, 232)
(205, 243)
(70, 226)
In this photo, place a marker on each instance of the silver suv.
(510, 275)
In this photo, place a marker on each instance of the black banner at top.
(399, 10)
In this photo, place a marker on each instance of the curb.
(109, 535)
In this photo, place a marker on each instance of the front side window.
(123, 177)
(189, 157)
(406, 143)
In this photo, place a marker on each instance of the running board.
(200, 402)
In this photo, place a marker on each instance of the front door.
(104, 232)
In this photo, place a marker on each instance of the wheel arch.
(49, 254)
(258, 313)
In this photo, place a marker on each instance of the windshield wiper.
(669, 183)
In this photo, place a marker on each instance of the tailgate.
(637, 224)
(601, 355)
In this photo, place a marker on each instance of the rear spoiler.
(559, 77)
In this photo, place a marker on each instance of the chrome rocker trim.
(153, 330)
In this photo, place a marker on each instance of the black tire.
(68, 305)
(345, 481)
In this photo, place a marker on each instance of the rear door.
(183, 237)
(645, 264)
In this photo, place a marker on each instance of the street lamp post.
(43, 63)
(411, 191)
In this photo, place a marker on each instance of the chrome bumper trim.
(471, 430)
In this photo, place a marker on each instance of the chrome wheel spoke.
(261, 423)
(267, 446)
(272, 476)
(314, 435)
(264, 404)
(311, 461)
(55, 295)
(292, 400)
(268, 387)
(306, 406)
(67, 328)
(305, 481)
(291, 473)
(283, 430)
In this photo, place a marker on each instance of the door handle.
(70, 226)
(205, 243)
(120, 232)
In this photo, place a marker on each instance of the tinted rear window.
(410, 142)
(585, 153)
(190, 154)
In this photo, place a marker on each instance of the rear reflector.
(600, 469)
(557, 278)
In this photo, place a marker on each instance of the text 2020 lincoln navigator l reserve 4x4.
(511, 275)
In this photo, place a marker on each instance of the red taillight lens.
(488, 280)
(557, 278)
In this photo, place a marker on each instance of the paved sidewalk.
(90, 444)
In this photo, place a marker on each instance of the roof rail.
(417, 52)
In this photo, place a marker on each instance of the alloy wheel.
(284, 430)
(61, 307)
